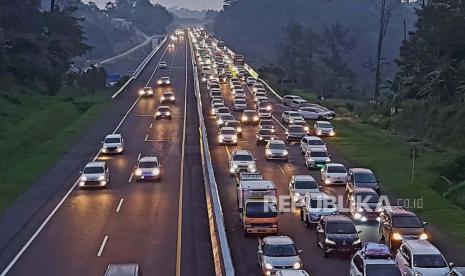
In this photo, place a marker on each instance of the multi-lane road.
(162, 226)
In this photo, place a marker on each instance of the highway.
(162, 226)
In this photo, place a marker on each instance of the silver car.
(277, 253)
(316, 205)
(95, 174)
(276, 149)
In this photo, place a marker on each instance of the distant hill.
(186, 13)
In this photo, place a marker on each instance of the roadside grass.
(36, 131)
(389, 156)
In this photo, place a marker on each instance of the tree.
(386, 9)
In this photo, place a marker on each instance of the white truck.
(257, 203)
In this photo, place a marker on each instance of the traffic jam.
(279, 159)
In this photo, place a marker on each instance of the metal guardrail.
(139, 68)
(220, 247)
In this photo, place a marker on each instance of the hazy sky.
(190, 4)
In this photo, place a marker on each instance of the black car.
(295, 133)
(265, 135)
(398, 223)
(337, 233)
(361, 177)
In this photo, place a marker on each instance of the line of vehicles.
(404, 248)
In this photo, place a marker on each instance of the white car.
(250, 81)
(323, 128)
(278, 252)
(240, 104)
(298, 103)
(223, 110)
(224, 119)
(373, 259)
(420, 257)
(264, 113)
(315, 206)
(235, 88)
(289, 117)
(240, 161)
(113, 143)
(164, 81)
(316, 158)
(276, 149)
(168, 97)
(95, 174)
(227, 136)
(163, 111)
(313, 113)
(287, 99)
(148, 167)
(257, 86)
(300, 185)
(214, 92)
(146, 91)
(239, 93)
(215, 107)
(334, 173)
(163, 65)
(309, 142)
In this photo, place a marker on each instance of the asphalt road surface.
(162, 226)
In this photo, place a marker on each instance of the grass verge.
(389, 156)
(36, 131)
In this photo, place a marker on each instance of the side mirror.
(300, 251)
(80, 172)
(451, 265)
(260, 252)
(330, 155)
(378, 180)
(425, 223)
(101, 142)
(320, 230)
(287, 148)
(359, 231)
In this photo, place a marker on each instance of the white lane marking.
(146, 137)
(156, 67)
(102, 246)
(119, 205)
(151, 125)
(227, 151)
(181, 179)
(130, 177)
(138, 156)
(49, 217)
(282, 169)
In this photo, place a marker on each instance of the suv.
(289, 117)
(316, 158)
(315, 206)
(337, 233)
(95, 174)
(323, 128)
(287, 99)
(420, 257)
(148, 168)
(398, 223)
(373, 259)
(361, 177)
(364, 204)
(242, 160)
(227, 136)
(113, 143)
(278, 252)
(311, 142)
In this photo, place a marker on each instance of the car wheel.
(307, 223)
(325, 252)
(301, 214)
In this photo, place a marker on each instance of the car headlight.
(268, 152)
(239, 129)
(359, 209)
(397, 237)
(327, 181)
(162, 98)
(357, 241)
(213, 111)
(156, 171)
(234, 137)
(220, 137)
(158, 113)
(328, 241)
(138, 172)
(357, 216)
(172, 98)
(168, 113)
(159, 81)
(251, 166)
(268, 108)
(260, 138)
(318, 132)
(235, 166)
(297, 265)
(307, 129)
(285, 152)
(268, 266)
(244, 118)
(141, 92)
(101, 178)
(332, 133)
(255, 118)
(423, 236)
(220, 122)
(83, 178)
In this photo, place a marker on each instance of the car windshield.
(223, 110)
(250, 113)
(325, 125)
(406, 222)
(266, 123)
(227, 118)
(318, 154)
(163, 109)
(367, 197)
(240, 101)
(316, 142)
(148, 164)
(306, 184)
(364, 178)
(429, 261)
(228, 131)
(232, 124)
(322, 203)
(242, 157)
(278, 146)
(92, 170)
(279, 250)
(261, 210)
(263, 110)
(294, 114)
(112, 140)
(296, 129)
(382, 270)
(336, 169)
(167, 94)
(147, 88)
(340, 228)
(266, 132)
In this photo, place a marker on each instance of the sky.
(190, 4)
